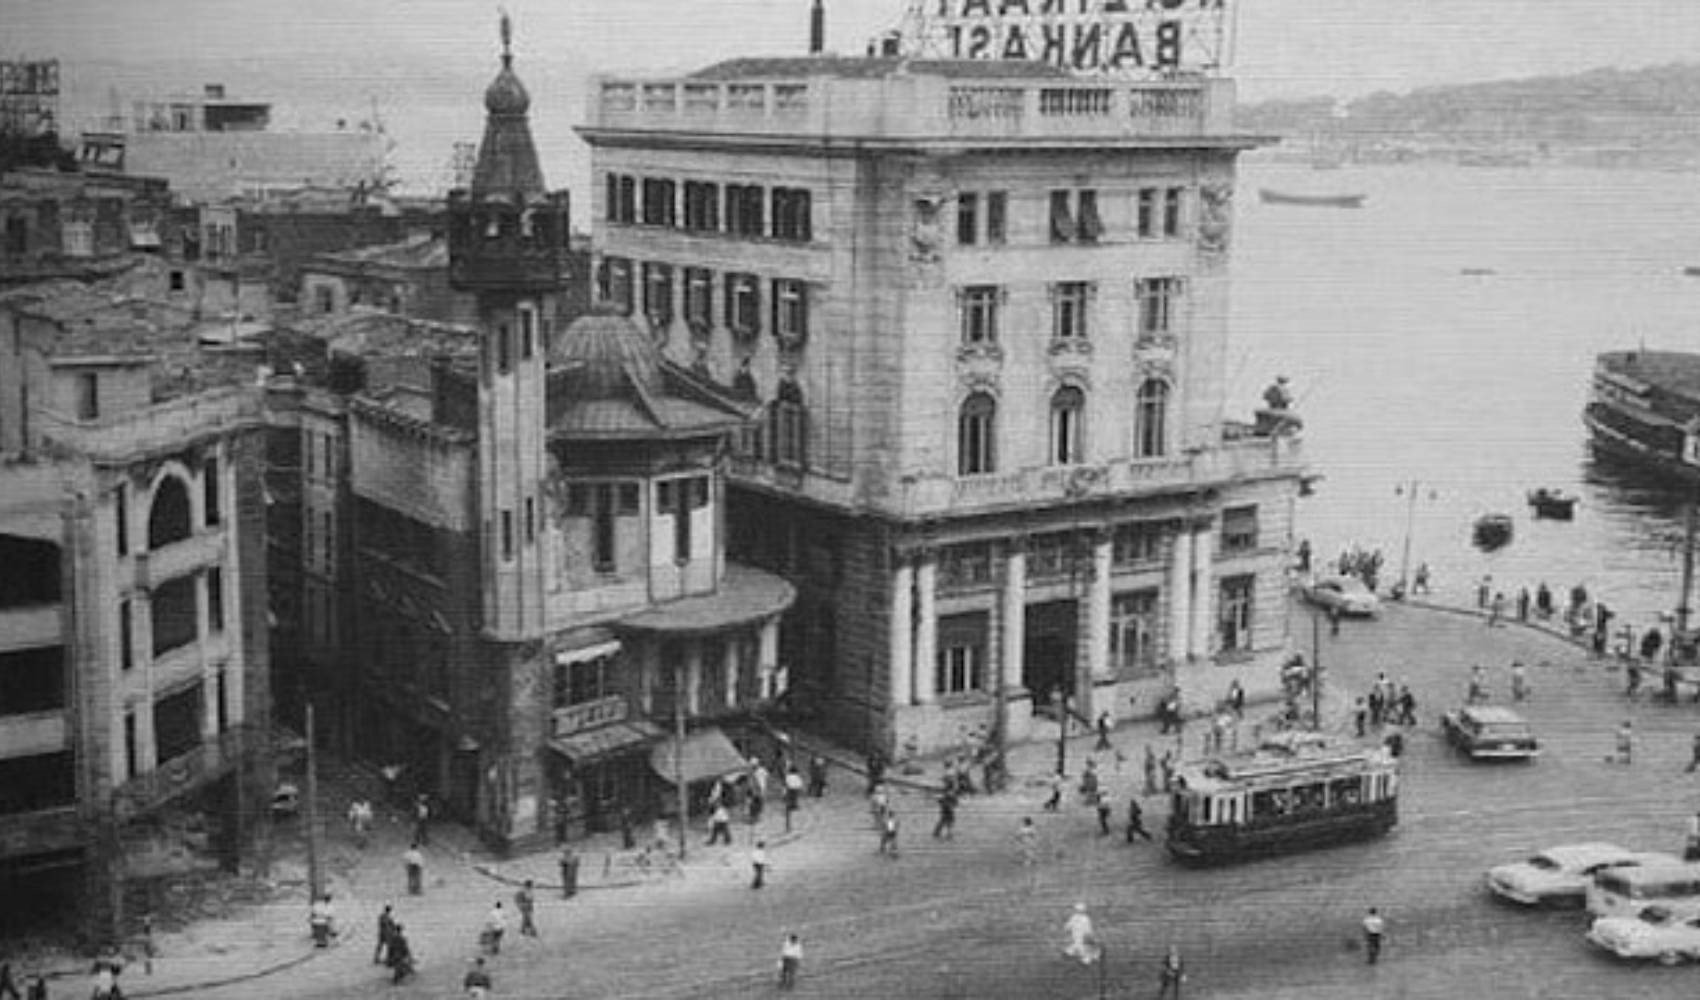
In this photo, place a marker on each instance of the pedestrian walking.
(386, 931)
(525, 900)
(1626, 743)
(1651, 641)
(1633, 673)
(1496, 610)
(1089, 782)
(1407, 706)
(1136, 820)
(1333, 621)
(400, 955)
(1151, 787)
(1103, 731)
(758, 865)
(759, 776)
(817, 776)
(1236, 698)
(8, 986)
(495, 926)
(1055, 800)
(359, 821)
(876, 770)
(1419, 584)
(1478, 692)
(793, 795)
(1171, 975)
(946, 826)
(1523, 601)
(476, 983)
(756, 804)
(1375, 928)
(1519, 681)
(1360, 715)
(321, 920)
(413, 861)
(1484, 591)
(568, 864)
(1104, 806)
(421, 820)
(720, 826)
(888, 834)
(790, 960)
(1167, 766)
(879, 804)
(1082, 939)
(1693, 755)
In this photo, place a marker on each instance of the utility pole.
(1687, 574)
(679, 752)
(315, 887)
(1062, 729)
(1316, 672)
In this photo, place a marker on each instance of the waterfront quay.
(964, 918)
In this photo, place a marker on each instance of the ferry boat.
(1552, 504)
(1271, 197)
(1296, 790)
(1644, 408)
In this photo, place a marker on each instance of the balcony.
(919, 106)
(1231, 461)
(154, 430)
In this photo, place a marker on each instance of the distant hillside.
(1644, 117)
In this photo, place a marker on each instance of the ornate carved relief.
(1215, 216)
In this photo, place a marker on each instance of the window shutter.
(1062, 224)
(1091, 227)
(802, 311)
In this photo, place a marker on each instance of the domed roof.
(506, 95)
(606, 356)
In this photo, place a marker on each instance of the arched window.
(1068, 419)
(168, 520)
(789, 426)
(1151, 420)
(976, 436)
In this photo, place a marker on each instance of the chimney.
(817, 28)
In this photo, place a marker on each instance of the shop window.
(1133, 633)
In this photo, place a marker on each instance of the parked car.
(1347, 593)
(1559, 876)
(1653, 933)
(1490, 732)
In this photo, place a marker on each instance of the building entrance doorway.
(1048, 649)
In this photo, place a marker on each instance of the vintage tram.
(1294, 791)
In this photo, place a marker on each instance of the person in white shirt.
(790, 959)
(1082, 943)
(495, 925)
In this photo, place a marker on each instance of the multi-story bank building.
(985, 307)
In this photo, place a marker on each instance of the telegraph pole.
(679, 752)
(315, 887)
(1316, 672)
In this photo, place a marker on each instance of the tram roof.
(1283, 755)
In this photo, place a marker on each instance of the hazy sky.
(1285, 47)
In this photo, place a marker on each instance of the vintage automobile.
(1345, 593)
(1655, 932)
(1490, 732)
(1559, 876)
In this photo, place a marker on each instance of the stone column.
(1015, 615)
(926, 628)
(1180, 594)
(1200, 645)
(901, 626)
(1098, 609)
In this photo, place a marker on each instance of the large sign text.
(1109, 36)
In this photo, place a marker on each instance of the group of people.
(1086, 947)
(1385, 703)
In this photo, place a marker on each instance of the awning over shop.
(708, 754)
(745, 595)
(591, 645)
(603, 741)
(143, 235)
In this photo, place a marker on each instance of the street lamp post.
(1061, 701)
(1410, 488)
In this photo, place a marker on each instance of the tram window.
(1207, 804)
(1263, 804)
(1311, 797)
(1344, 791)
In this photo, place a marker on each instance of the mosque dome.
(606, 356)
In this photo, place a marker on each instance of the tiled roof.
(874, 67)
(422, 251)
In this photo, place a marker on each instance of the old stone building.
(984, 308)
(533, 514)
(133, 658)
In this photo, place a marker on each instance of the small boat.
(1477, 272)
(1322, 200)
(1491, 532)
(1555, 504)
(1692, 270)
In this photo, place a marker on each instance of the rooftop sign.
(1127, 37)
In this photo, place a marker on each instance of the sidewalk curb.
(1528, 626)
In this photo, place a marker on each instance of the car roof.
(1588, 853)
(1492, 713)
